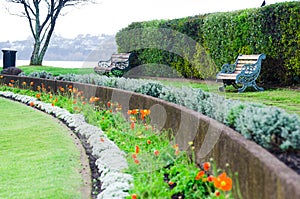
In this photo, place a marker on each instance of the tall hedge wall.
(198, 46)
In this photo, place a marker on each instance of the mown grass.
(284, 98)
(56, 70)
(38, 158)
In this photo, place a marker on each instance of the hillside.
(82, 48)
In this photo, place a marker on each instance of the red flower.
(156, 152)
(134, 196)
(148, 141)
(206, 166)
(134, 155)
(132, 125)
(210, 178)
(137, 149)
(31, 104)
(136, 161)
(108, 104)
(217, 193)
(199, 175)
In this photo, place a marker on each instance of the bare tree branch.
(42, 16)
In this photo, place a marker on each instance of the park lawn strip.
(287, 99)
(38, 158)
(56, 71)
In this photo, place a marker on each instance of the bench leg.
(222, 88)
(257, 87)
(252, 84)
(242, 89)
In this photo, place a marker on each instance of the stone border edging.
(110, 159)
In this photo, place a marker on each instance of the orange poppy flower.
(137, 149)
(170, 183)
(134, 155)
(223, 182)
(132, 125)
(135, 111)
(38, 95)
(31, 104)
(210, 178)
(206, 166)
(136, 161)
(199, 175)
(134, 196)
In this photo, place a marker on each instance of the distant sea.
(60, 64)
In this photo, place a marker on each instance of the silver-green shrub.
(270, 127)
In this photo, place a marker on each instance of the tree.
(42, 16)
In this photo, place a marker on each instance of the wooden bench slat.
(246, 62)
(117, 64)
(248, 57)
(250, 64)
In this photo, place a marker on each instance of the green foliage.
(219, 38)
(41, 74)
(270, 127)
(152, 89)
(245, 117)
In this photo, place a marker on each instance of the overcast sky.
(109, 16)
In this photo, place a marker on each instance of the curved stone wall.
(260, 174)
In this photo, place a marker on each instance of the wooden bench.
(244, 71)
(117, 65)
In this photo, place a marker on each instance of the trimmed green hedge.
(198, 46)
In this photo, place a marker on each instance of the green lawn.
(56, 70)
(38, 157)
(285, 98)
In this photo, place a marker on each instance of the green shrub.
(219, 38)
(270, 127)
(151, 89)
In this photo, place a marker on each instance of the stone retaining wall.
(260, 174)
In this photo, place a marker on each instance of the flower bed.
(177, 174)
(257, 171)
